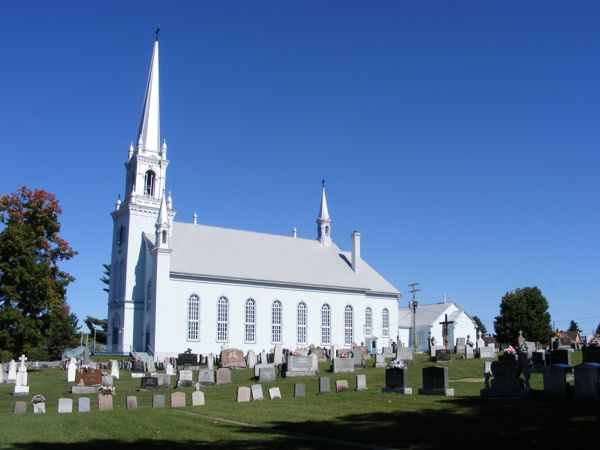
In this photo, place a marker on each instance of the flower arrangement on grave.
(39, 398)
(395, 364)
(343, 354)
(106, 390)
(510, 351)
(296, 353)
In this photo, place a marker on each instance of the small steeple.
(195, 218)
(130, 153)
(162, 224)
(169, 201)
(324, 221)
(149, 133)
(163, 150)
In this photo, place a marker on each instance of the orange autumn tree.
(34, 315)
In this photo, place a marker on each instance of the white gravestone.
(114, 368)
(1, 373)
(251, 359)
(169, 369)
(12, 372)
(21, 387)
(211, 361)
(263, 357)
(278, 355)
(71, 368)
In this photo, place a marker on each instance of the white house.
(177, 285)
(428, 321)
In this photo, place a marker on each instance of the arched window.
(149, 296)
(250, 321)
(164, 237)
(348, 325)
(222, 320)
(149, 181)
(385, 323)
(120, 236)
(116, 330)
(193, 318)
(325, 324)
(276, 322)
(301, 323)
(368, 322)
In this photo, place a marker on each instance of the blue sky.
(460, 138)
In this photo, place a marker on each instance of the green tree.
(573, 326)
(34, 315)
(480, 325)
(524, 309)
(106, 277)
(92, 322)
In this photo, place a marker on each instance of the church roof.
(202, 250)
(427, 315)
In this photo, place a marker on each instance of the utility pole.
(413, 305)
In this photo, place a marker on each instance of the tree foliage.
(480, 325)
(34, 316)
(524, 309)
(92, 322)
(573, 326)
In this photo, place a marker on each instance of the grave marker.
(20, 407)
(223, 376)
(131, 403)
(197, 398)
(274, 393)
(257, 392)
(396, 380)
(361, 383)
(243, 394)
(299, 390)
(83, 404)
(435, 382)
(158, 401)
(324, 385)
(178, 400)
(105, 402)
(65, 405)
(341, 386)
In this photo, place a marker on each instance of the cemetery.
(316, 406)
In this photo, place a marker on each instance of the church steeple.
(163, 224)
(149, 133)
(324, 221)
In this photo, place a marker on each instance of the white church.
(177, 285)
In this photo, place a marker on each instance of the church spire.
(324, 221)
(149, 133)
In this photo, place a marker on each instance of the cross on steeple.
(444, 325)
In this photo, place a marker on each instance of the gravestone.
(396, 380)
(83, 404)
(149, 384)
(405, 354)
(434, 349)
(468, 352)
(223, 376)
(442, 355)
(178, 400)
(586, 380)
(65, 405)
(531, 347)
(333, 352)
(114, 368)
(88, 377)
(380, 361)
(388, 352)
(186, 378)
(138, 366)
(274, 393)
(324, 385)
(591, 353)
(343, 365)
(210, 363)
(488, 351)
(341, 386)
(188, 359)
(164, 380)
(299, 390)
(71, 368)
(21, 387)
(300, 366)
(363, 350)
(538, 360)
(460, 345)
(20, 407)
(197, 398)
(206, 376)
(158, 401)
(105, 402)
(263, 357)
(277, 355)
(12, 372)
(131, 403)
(39, 408)
(320, 352)
(243, 394)
(266, 374)
(257, 368)
(560, 357)
(506, 381)
(555, 381)
(361, 383)
(250, 359)
(170, 369)
(1, 373)
(107, 380)
(232, 358)
(257, 392)
(435, 382)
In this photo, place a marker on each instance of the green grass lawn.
(348, 420)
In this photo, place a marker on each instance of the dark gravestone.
(396, 380)
(442, 355)
(506, 381)
(148, 384)
(435, 381)
(538, 361)
(88, 377)
(138, 366)
(560, 357)
(591, 354)
(187, 359)
(324, 385)
(555, 381)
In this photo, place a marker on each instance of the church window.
(348, 325)
(250, 320)
(120, 236)
(222, 320)
(149, 296)
(116, 330)
(301, 323)
(276, 322)
(385, 325)
(149, 181)
(193, 322)
(368, 322)
(164, 237)
(325, 324)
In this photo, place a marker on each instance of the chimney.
(356, 251)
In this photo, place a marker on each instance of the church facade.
(176, 285)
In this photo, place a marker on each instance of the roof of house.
(202, 250)
(573, 335)
(426, 314)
